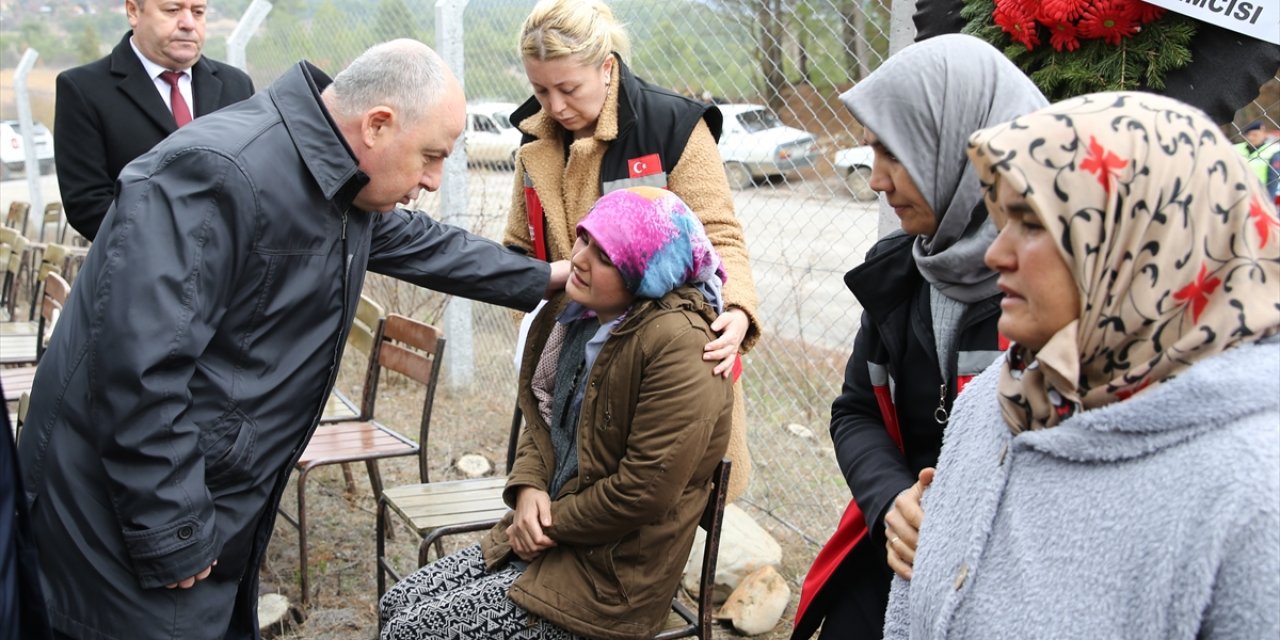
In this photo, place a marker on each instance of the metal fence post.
(23, 97)
(453, 201)
(243, 33)
(902, 32)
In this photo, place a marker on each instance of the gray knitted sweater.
(1154, 517)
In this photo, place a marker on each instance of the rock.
(744, 547)
(757, 604)
(275, 616)
(474, 465)
(800, 431)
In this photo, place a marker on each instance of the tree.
(394, 20)
(89, 48)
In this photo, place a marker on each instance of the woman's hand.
(732, 326)
(533, 514)
(902, 525)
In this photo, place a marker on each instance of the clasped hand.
(532, 516)
(902, 525)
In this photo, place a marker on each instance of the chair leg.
(382, 553)
(302, 534)
(375, 480)
(349, 478)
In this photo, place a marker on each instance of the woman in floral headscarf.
(624, 426)
(1117, 474)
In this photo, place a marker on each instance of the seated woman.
(1117, 473)
(624, 428)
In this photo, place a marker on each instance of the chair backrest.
(414, 349)
(56, 290)
(52, 212)
(513, 438)
(712, 522)
(52, 216)
(17, 216)
(12, 247)
(364, 326)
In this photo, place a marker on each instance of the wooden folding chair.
(401, 344)
(53, 259)
(17, 380)
(19, 210)
(434, 510)
(53, 216)
(364, 327)
(13, 250)
(712, 522)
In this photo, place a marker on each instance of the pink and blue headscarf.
(656, 243)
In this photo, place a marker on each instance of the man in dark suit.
(113, 110)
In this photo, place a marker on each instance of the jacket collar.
(1185, 407)
(886, 279)
(321, 146)
(683, 298)
(134, 81)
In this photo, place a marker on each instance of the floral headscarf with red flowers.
(1172, 241)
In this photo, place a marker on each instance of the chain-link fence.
(804, 227)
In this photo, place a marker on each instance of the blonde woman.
(592, 127)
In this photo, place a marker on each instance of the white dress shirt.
(154, 70)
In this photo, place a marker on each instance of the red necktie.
(181, 114)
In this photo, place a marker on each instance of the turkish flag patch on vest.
(644, 166)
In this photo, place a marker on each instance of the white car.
(755, 144)
(12, 156)
(491, 139)
(854, 165)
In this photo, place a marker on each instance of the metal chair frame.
(401, 344)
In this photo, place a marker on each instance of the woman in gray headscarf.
(929, 320)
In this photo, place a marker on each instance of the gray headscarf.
(922, 104)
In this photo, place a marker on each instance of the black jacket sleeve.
(873, 466)
(410, 246)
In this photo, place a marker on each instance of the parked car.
(12, 156)
(755, 144)
(854, 165)
(491, 139)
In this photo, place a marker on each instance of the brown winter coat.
(654, 424)
(568, 186)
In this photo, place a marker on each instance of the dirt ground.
(343, 603)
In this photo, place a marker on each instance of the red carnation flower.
(1018, 22)
(1062, 10)
(1197, 293)
(1063, 37)
(1263, 221)
(1109, 20)
(1146, 12)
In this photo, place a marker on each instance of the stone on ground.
(757, 604)
(744, 547)
(274, 615)
(474, 465)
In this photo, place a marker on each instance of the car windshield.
(758, 120)
(501, 119)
